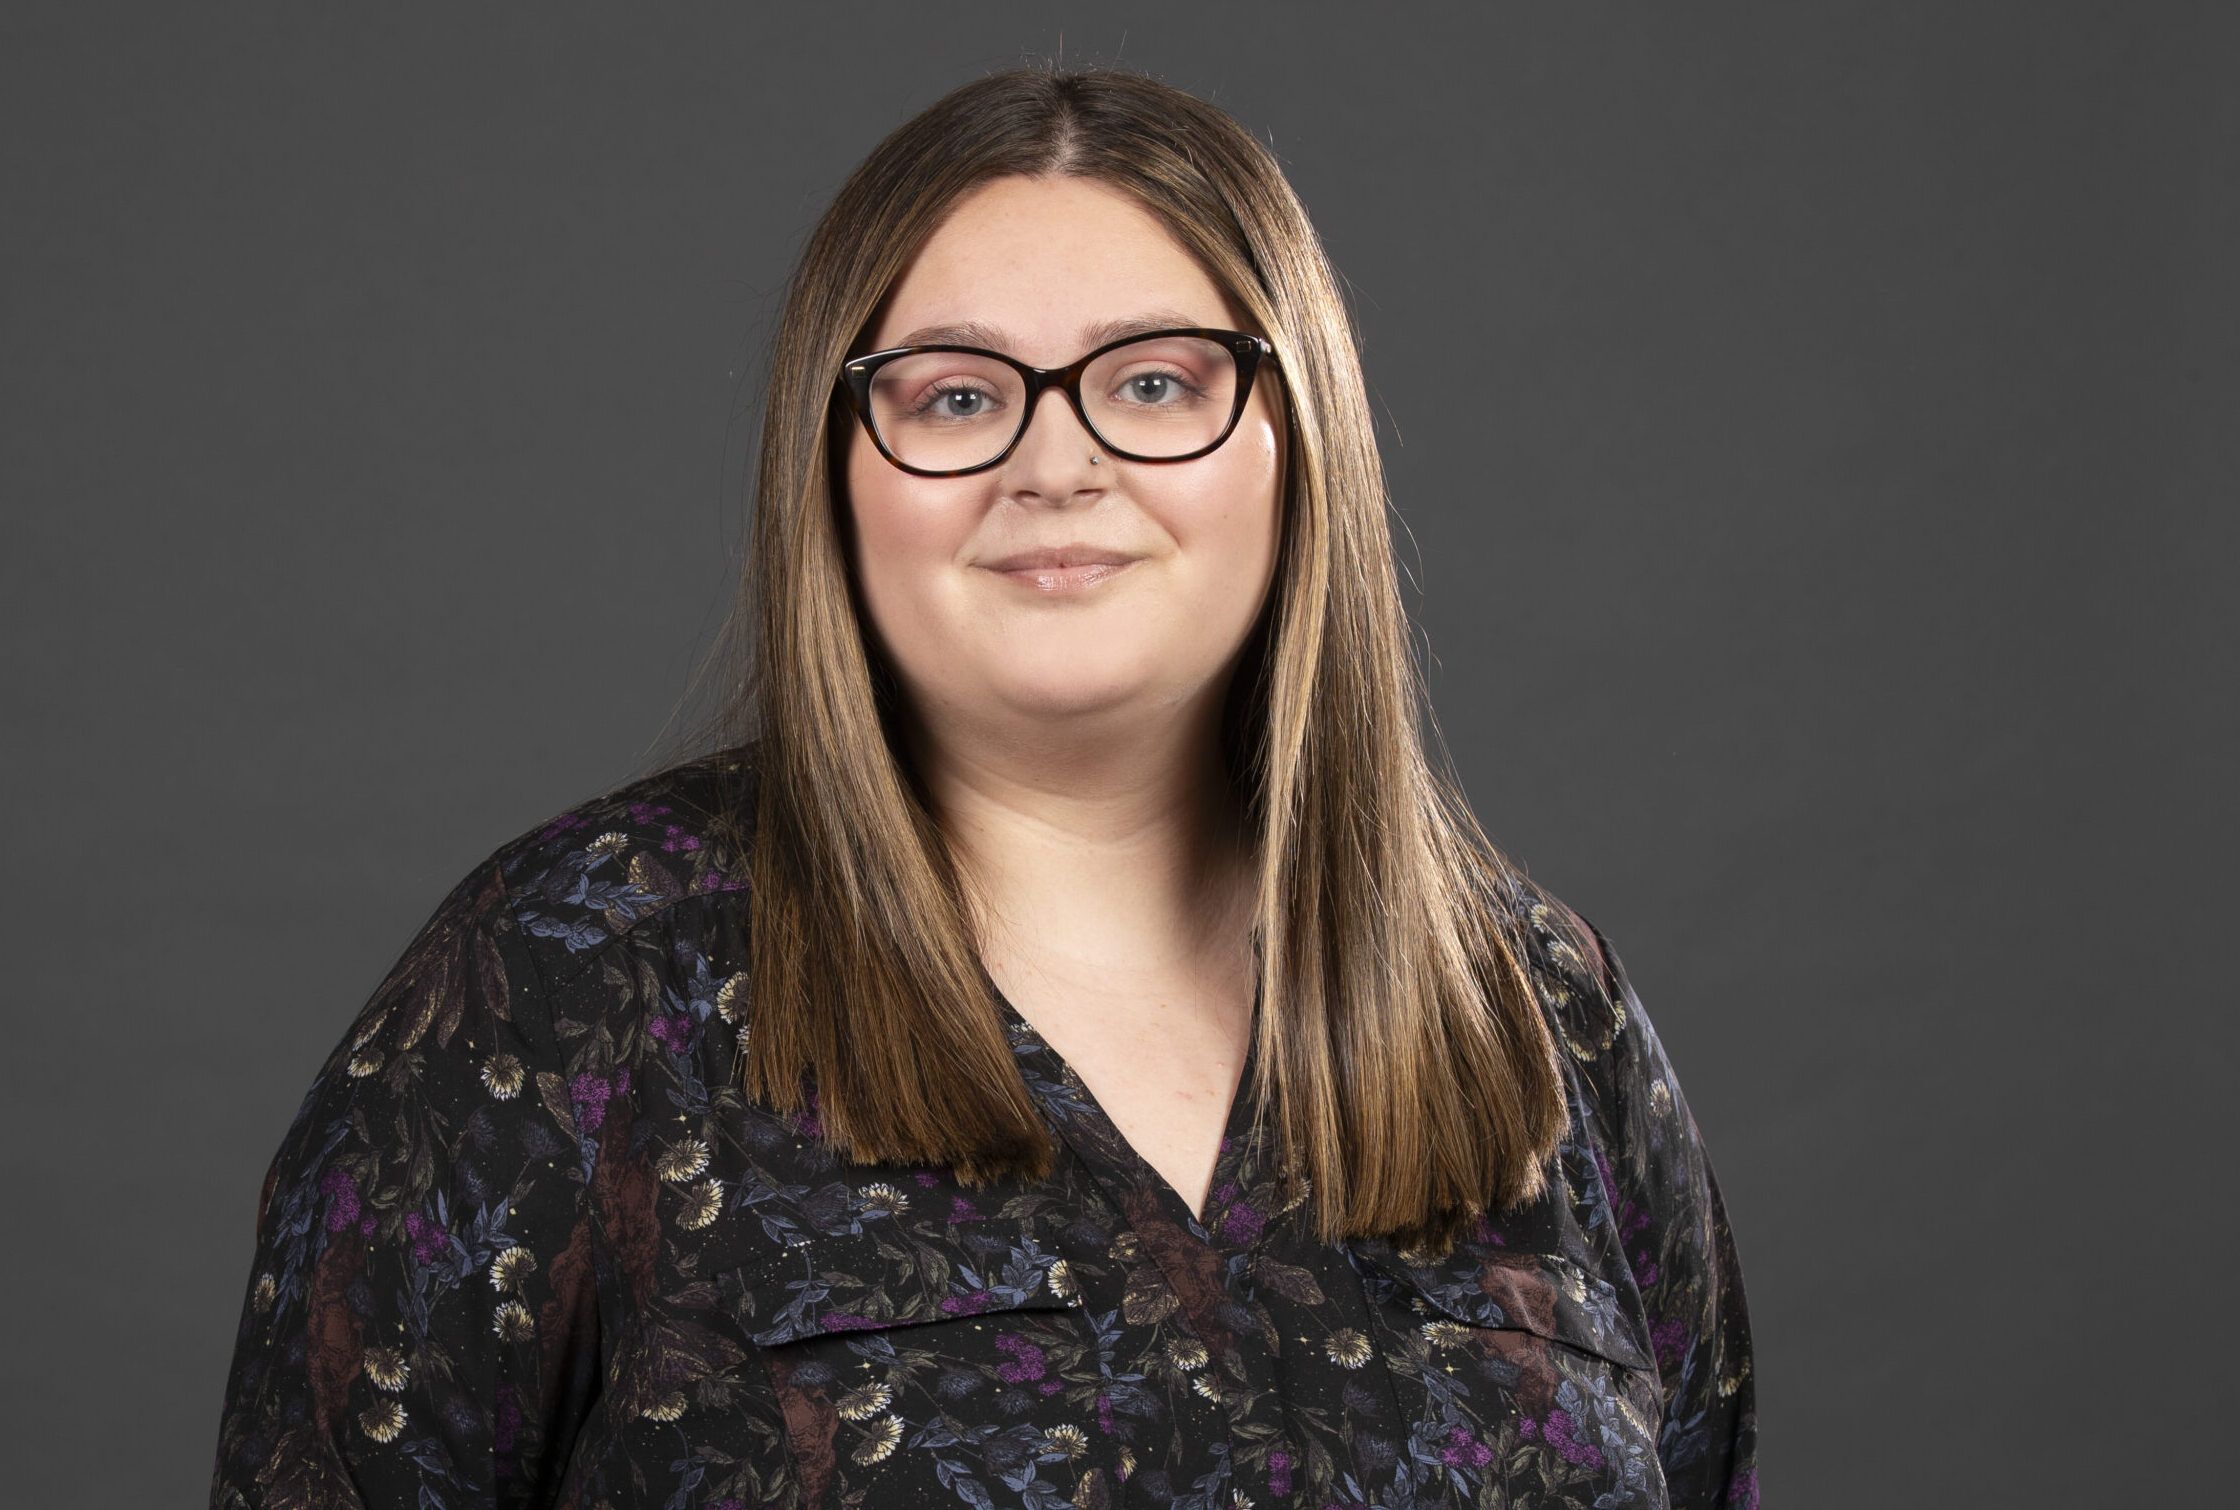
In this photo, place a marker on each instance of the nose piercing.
(1092, 458)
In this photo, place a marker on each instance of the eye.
(954, 401)
(1157, 389)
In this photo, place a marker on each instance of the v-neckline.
(1135, 1168)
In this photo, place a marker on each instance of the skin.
(1070, 741)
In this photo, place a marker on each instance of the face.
(1095, 651)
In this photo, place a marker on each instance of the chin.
(1070, 691)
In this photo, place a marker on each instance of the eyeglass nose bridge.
(1248, 351)
(1067, 380)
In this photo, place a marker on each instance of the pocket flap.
(1486, 1285)
(893, 1273)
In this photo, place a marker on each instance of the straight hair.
(1406, 1067)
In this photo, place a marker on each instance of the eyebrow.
(979, 333)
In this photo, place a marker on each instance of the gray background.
(1812, 430)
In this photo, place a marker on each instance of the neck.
(1121, 861)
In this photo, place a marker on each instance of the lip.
(1060, 557)
(1055, 579)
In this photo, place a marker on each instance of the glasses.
(944, 411)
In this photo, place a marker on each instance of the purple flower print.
(1670, 1339)
(1279, 1473)
(1631, 1221)
(342, 1198)
(1560, 1429)
(1241, 1224)
(429, 1241)
(676, 840)
(673, 1030)
(1462, 1450)
(591, 1093)
(559, 826)
(1026, 1363)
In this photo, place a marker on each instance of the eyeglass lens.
(1161, 396)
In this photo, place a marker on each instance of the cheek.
(897, 518)
(900, 536)
(1225, 529)
(879, 529)
(1236, 523)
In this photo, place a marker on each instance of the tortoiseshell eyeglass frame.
(1246, 350)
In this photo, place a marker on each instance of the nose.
(1052, 458)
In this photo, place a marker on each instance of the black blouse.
(526, 1243)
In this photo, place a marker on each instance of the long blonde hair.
(1406, 1065)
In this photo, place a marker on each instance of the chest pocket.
(1518, 1370)
(1487, 1286)
(922, 1361)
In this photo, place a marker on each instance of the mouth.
(1061, 557)
(1068, 578)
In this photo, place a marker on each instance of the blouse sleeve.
(1673, 1224)
(421, 1327)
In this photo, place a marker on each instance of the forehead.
(1051, 266)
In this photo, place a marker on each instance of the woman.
(1065, 1045)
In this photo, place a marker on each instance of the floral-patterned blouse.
(526, 1243)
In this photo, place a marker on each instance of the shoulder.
(612, 863)
(470, 1022)
(1574, 972)
(1598, 1018)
